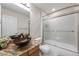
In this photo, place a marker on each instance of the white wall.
(35, 22)
(22, 20)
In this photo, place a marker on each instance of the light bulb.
(53, 9)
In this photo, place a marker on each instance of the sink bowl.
(20, 39)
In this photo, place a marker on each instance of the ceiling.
(15, 8)
(47, 7)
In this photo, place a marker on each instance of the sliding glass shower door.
(61, 32)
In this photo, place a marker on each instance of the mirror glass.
(14, 18)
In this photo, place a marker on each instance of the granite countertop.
(12, 49)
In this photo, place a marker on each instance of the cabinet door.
(36, 53)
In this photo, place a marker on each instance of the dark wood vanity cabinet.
(32, 51)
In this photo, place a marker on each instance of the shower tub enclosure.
(61, 32)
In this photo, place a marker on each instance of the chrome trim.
(61, 9)
(64, 14)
